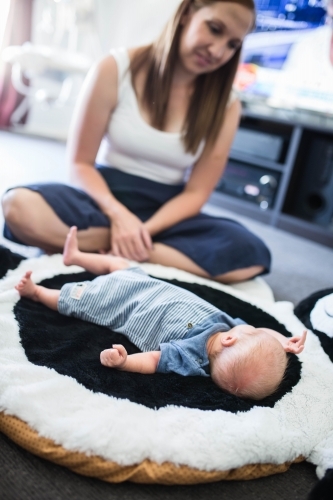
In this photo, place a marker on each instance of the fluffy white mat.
(58, 407)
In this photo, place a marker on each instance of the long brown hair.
(211, 90)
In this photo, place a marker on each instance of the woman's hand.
(115, 357)
(129, 236)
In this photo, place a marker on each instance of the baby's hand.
(295, 344)
(114, 357)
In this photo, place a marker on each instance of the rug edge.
(146, 472)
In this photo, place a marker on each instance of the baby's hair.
(252, 368)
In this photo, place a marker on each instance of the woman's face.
(212, 35)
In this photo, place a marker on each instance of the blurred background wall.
(47, 47)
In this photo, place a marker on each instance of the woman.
(148, 114)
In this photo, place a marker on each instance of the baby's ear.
(228, 340)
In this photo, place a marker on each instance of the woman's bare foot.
(27, 288)
(71, 248)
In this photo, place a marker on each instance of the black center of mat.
(72, 347)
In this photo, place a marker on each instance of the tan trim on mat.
(145, 472)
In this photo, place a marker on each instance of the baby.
(176, 330)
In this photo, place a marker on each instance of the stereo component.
(312, 199)
(255, 184)
(257, 143)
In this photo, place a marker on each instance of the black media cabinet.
(280, 171)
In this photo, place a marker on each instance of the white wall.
(125, 23)
(132, 22)
(4, 10)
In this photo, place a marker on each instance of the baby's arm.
(117, 357)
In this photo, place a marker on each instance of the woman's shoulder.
(233, 97)
(112, 68)
(123, 56)
(104, 74)
(120, 59)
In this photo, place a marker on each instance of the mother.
(148, 144)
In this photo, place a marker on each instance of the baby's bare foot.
(26, 287)
(71, 248)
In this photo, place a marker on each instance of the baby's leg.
(27, 288)
(92, 262)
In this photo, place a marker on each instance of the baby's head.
(251, 363)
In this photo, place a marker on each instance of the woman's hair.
(211, 91)
(253, 367)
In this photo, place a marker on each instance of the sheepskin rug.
(53, 386)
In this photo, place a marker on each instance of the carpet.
(57, 401)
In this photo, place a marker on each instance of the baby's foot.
(26, 287)
(71, 248)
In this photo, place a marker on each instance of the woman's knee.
(17, 205)
(239, 275)
(248, 255)
(10, 205)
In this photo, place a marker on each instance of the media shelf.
(280, 172)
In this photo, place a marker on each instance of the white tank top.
(133, 146)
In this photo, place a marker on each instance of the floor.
(300, 267)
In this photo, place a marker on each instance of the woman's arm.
(93, 111)
(117, 357)
(205, 175)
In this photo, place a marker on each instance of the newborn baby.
(176, 330)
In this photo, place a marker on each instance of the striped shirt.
(148, 311)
